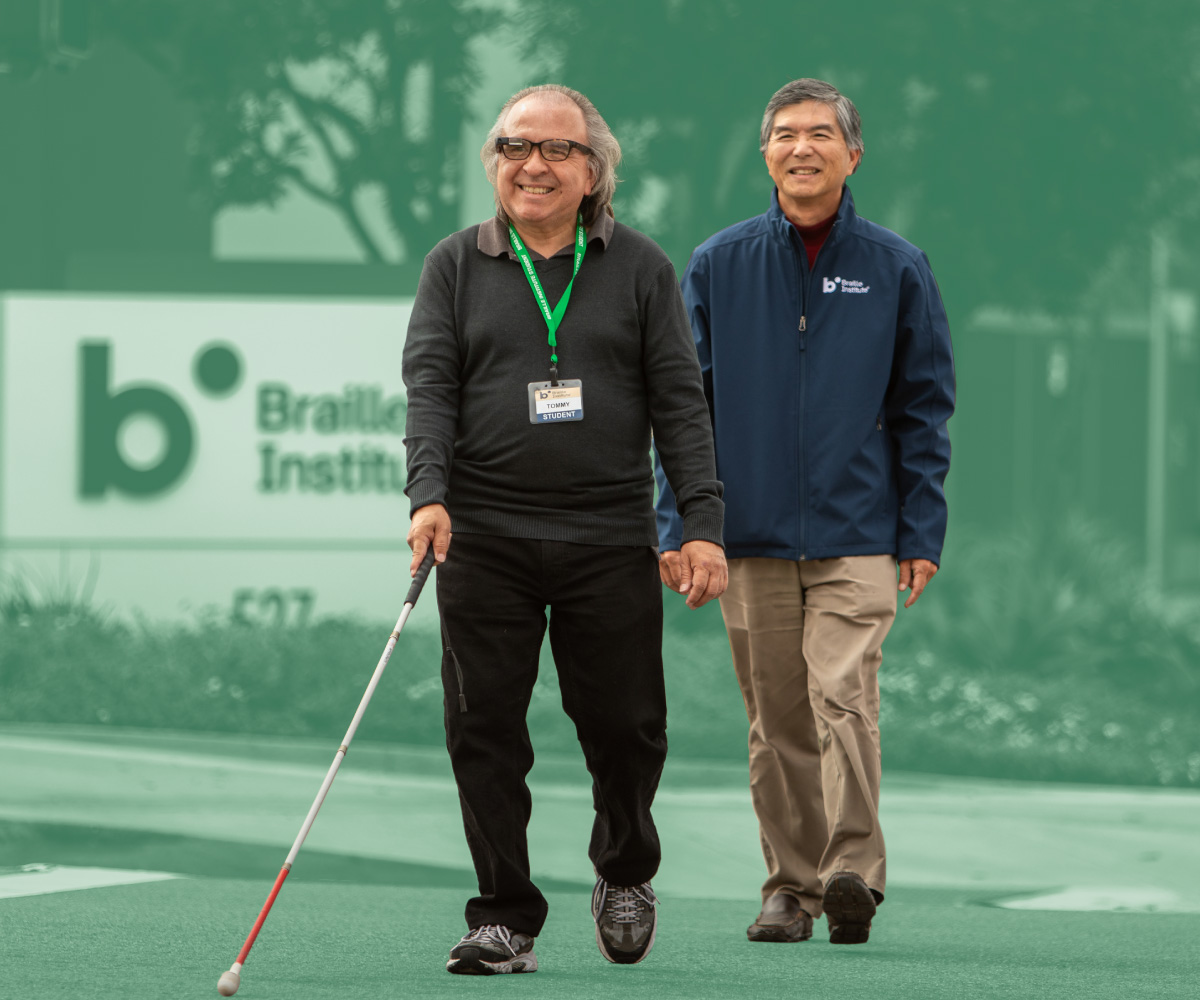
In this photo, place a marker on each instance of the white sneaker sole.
(473, 965)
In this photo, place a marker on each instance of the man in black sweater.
(532, 440)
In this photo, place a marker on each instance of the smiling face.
(809, 161)
(542, 198)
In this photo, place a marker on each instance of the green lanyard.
(553, 319)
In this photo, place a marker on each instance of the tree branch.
(363, 76)
(342, 203)
(343, 197)
(311, 107)
(336, 162)
(354, 221)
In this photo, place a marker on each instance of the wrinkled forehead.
(546, 116)
(806, 116)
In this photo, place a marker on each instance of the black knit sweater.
(476, 339)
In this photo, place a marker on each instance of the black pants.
(606, 635)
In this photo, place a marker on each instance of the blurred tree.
(343, 99)
(1019, 143)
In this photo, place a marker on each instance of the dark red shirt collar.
(814, 236)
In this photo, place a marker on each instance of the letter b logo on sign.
(102, 415)
(829, 284)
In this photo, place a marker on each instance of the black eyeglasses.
(551, 149)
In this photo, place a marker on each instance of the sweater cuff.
(910, 545)
(424, 493)
(703, 528)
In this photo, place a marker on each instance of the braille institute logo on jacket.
(845, 284)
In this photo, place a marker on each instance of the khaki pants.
(806, 640)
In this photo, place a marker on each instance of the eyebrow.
(812, 128)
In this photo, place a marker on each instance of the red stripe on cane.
(283, 873)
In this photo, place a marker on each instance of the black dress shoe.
(849, 906)
(781, 919)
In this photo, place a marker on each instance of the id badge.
(551, 404)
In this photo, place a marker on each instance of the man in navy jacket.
(829, 374)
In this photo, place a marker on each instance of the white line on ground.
(38, 879)
(996, 837)
(1119, 899)
(347, 775)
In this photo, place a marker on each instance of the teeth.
(535, 190)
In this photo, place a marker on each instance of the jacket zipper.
(805, 296)
(805, 288)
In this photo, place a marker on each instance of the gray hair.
(606, 151)
(799, 91)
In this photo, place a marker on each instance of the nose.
(801, 145)
(534, 162)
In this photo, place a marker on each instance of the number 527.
(272, 606)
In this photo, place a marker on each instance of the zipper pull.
(803, 324)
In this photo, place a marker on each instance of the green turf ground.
(376, 898)
(345, 941)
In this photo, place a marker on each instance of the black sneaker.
(490, 949)
(849, 906)
(626, 919)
